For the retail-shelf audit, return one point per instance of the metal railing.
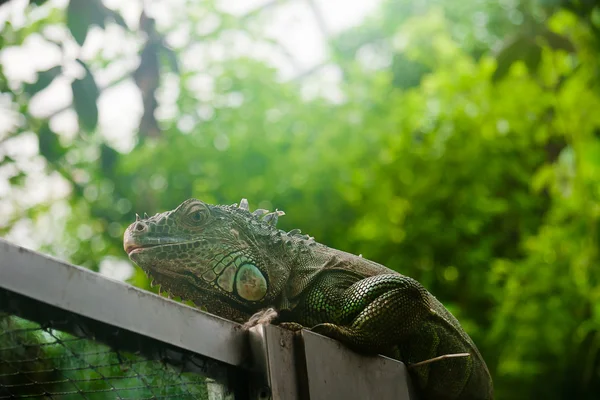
(69, 333)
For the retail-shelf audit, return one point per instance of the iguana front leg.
(375, 313)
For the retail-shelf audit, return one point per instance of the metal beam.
(273, 356)
(94, 296)
(306, 365)
(333, 371)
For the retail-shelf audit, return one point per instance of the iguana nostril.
(140, 227)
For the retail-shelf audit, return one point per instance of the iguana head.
(211, 254)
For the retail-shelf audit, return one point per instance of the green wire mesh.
(41, 362)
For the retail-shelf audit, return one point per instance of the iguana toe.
(263, 317)
(291, 326)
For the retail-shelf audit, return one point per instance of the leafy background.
(457, 143)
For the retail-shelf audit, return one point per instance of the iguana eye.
(195, 215)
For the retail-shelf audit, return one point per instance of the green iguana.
(237, 264)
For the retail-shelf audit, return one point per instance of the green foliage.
(85, 97)
(528, 48)
(472, 170)
(82, 14)
(49, 145)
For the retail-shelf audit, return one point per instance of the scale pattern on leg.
(375, 313)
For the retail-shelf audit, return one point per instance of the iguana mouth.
(131, 245)
(136, 248)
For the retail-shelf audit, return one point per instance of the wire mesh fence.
(41, 362)
(52, 354)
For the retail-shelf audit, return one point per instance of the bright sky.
(294, 24)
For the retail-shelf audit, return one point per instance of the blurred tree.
(464, 150)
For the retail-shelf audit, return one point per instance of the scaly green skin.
(235, 264)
